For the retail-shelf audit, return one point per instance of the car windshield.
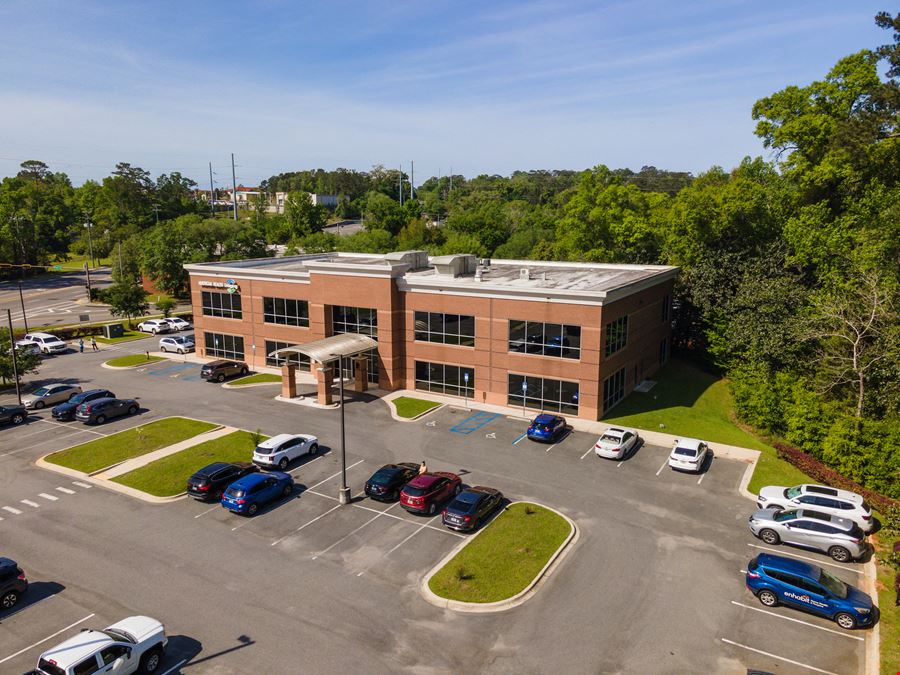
(835, 586)
(414, 491)
(865, 506)
(785, 515)
(459, 505)
(262, 450)
(606, 438)
(79, 398)
(119, 635)
(687, 452)
(234, 492)
(50, 668)
(41, 391)
(383, 476)
(790, 493)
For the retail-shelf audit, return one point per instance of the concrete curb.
(389, 400)
(519, 598)
(747, 477)
(873, 643)
(301, 400)
(225, 385)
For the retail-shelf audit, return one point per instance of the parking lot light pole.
(12, 351)
(22, 301)
(344, 494)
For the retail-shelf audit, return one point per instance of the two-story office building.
(567, 337)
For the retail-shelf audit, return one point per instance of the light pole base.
(344, 495)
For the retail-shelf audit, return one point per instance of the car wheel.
(38, 405)
(770, 537)
(840, 554)
(431, 509)
(775, 506)
(394, 496)
(314, 448)
(244, 371)
(181, 351)
(252, 509)
(845, 621)
(768, 598)
(133, 410)
(18, 418)
(9, 599)
(100, 419)
(220, 377)
(283, 464)
(457, 490)
(151, 661)
(287, 491)
(162, 349)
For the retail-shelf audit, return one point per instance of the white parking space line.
(781, 551)
(415, 532)
(620, 464)
(278, 541)
(49, 637)
(428, 525)
(48, 497)
(516, 442)
(664, 465)
(702, 476)
(66, 491)
(349, 534)
(334, 475)
(779, 658)
(30, 503)
(320, 494)
(805, 623)
(79, 431)
(11, 510)
(211, 508)
(42, 430)
(588, 452)
(310, 462)
(80, 484)
(175, 667)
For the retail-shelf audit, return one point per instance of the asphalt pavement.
(654, 584)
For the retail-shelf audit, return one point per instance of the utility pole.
(22, 300)
(451, 181)
(121, 274)
(400, 184)
(233, 188)
(87, 280)
(412, 179)
(344, 493)
(212, 197)
(12, 347)
(89, 225)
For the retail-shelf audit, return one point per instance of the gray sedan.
(840, 538)
(50, 395)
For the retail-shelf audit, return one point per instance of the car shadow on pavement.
(303, 460)
(185, 648)
(37, 591)
(43, 382)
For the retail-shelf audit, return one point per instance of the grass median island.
(127, 336)
(409, 407)
(504, 559)
(133, 360)
(167, 476)
(95, 455)
(258, 378)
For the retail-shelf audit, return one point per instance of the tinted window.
(383, 476)
(235, 492)
(110, 654)
(87, 666)
(828, 503)
(687, 452)
(50, 668)
(457, 505)
(822, 490)
(414, 491)
(835, 586)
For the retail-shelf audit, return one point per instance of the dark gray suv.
(13, 583)
(100, 410)
(217, 371)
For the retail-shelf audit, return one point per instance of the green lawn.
(688, 401)
(256, 379)
(127, 336)
(407, 406)
(104, 452)
(889, 622)
(167, 476)
(133, 360)
(503, 560)
(76, 263)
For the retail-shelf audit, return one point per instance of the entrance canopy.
(331, 348)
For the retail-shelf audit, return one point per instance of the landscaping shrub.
(818, 471)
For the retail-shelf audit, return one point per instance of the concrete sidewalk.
(143, 460)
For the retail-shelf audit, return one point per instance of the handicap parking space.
(185, 371)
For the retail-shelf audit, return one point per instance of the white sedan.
(616, 443)
(281, 450)
(689, 454)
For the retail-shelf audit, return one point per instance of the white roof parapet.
(331, 348)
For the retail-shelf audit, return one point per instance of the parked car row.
(167, 325)
(94, 406)
(818, 518)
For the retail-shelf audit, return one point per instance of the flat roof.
(414, 270)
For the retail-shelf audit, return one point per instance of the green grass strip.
(127, 336)
(168, 476)
(104, 452)
(256, 379)
(501, 561)
(133, 360)
(409, 407)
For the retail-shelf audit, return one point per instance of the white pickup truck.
(133, 645)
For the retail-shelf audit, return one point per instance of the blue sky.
(484, 87)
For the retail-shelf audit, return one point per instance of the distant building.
(276, 201)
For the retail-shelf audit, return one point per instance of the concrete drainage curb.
(139, 365)
(519, 598)
(389, 400)
(108, 484)
(226, 385)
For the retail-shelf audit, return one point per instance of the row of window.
(450, 329)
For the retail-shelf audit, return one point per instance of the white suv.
(154, 326)
(133, 645)
(47, 343)
(831, 500)
(178, 343)
(282, 449)
(177, 323)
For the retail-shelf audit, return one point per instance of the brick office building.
(568, 337)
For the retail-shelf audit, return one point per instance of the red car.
(425, 492)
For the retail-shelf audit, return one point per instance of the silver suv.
(840, 538)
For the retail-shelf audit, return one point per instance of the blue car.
(251, 492)
(547, 428)
(776, 580)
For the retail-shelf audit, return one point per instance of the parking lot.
(655, 584)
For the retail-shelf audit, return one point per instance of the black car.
(66, 411)
(217, 371)
(210, 482)
(13, 414)
(385, 484)
(100, 410)
(471, 508)
(12, 583)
